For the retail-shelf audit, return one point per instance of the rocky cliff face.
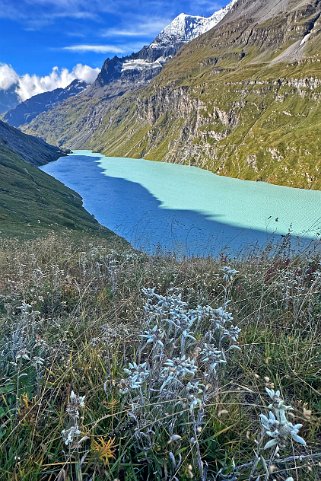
(242, 100)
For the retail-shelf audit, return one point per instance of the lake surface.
(161, 207)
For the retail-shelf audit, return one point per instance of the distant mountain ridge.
(146, 64)
(26, 111)
(9, 99)
(73, 122)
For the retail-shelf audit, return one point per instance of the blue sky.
(37, 35)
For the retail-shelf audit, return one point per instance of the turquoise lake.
(161, 207)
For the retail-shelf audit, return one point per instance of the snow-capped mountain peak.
(218, 16)
(143, 66)
(185, 28)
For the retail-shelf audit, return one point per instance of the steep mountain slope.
(242, 100)
(33, 150)
(9, 99)
(26, 111)
(31, 201)
(141, 67)
(73, 122)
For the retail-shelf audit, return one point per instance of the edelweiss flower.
(276, 425)
(212, 357)
(229, 273)
(181, 367)
(154, 336)
(70, 434)
(77, 400)
(137, 374)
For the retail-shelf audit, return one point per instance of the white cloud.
(94, 48)
(39, 13)
(143, 28)
(29, 85)
(85, 73)
(8, 77)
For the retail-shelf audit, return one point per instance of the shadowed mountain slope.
(31, 149)
(26, 111)
(32, 202)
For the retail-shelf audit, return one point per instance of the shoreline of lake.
(195, 211)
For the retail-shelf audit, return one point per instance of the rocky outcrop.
(143, 66)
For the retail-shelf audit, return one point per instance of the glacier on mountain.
(182, 29)
(185, 28)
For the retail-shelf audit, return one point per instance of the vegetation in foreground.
(115, 365)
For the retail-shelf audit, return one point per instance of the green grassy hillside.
(32, 202)
(244, 123)
(31, 149)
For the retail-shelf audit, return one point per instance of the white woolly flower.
(229, 273)
(70, 434)
(194, 390)
(212, 357)
(221, 317)
(276, 425)
(232, 333)
(137, 374)
(180, 367)
(154, 336)
(77, 400)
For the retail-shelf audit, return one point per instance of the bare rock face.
(239, 100)
(266, 25)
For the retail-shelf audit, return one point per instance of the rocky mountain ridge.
(26, 111)
(9, 99)
(144, 65)
(117, 77)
